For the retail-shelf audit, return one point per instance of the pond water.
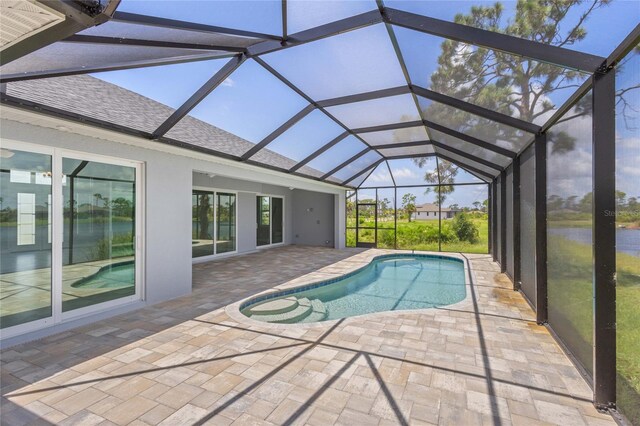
(627, 240)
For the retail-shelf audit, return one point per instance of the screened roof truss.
(240, 46)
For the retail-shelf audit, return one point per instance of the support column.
(604, 241)
(490, 217)
(494, 219)
(540, 147)
(516, 223)
(503, 221)
(340, 220)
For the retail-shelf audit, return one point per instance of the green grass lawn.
(421, 235)
(570, 300)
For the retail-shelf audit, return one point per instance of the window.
(213, 220)
(269, 219)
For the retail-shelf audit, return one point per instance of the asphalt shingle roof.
(89, 96)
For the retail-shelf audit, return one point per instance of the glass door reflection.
(277, 216)
(202, 224)
(98, 250)
(264, 221)
(225, 222)
(270, 220)
(25, 237)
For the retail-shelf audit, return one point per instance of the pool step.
(275, 307)
(302, 310)
(319, 311)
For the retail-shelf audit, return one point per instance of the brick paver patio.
(483, 361)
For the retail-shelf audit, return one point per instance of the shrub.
(465, 229)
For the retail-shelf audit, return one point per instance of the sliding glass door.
(213, 229)
(225, 222)
(98, 250)
(277, 214)
(202, 224)
(270, 220)
(264, 221)
(25, 237)
(69, 227)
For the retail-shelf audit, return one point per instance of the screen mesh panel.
(63, 56)
(528, 225)
(152, 33)
(569, 231)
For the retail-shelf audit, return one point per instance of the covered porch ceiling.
(327, 90)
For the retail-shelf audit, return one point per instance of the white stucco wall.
(168, 183)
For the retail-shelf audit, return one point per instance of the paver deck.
(186, 361)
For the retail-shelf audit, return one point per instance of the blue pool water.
(389, 283)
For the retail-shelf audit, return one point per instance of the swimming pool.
(389, 283)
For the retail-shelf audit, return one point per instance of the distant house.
(430, 211)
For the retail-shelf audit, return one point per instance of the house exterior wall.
(168, 181)
(313, 218)
(432, 215)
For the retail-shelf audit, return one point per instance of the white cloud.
(228, 82)
(404, 172)
(379, 176)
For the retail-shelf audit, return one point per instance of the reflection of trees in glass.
(502, 82)
(122, 207)
(203, 216)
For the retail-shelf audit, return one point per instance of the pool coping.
(355, 263)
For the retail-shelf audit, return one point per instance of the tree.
(465, 229)
(586, 203)
(555, 202)
(409, 204)
(383, 204)
(621, 198)
(444, 175)
(507, 83)
(570, 203)
(477, 205)
(623, 105)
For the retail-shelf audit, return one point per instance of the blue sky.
(252, 103)
(266, 16)
(406, 172)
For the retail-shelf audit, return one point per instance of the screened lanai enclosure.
(507, 128)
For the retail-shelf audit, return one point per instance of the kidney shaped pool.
(389, 283)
